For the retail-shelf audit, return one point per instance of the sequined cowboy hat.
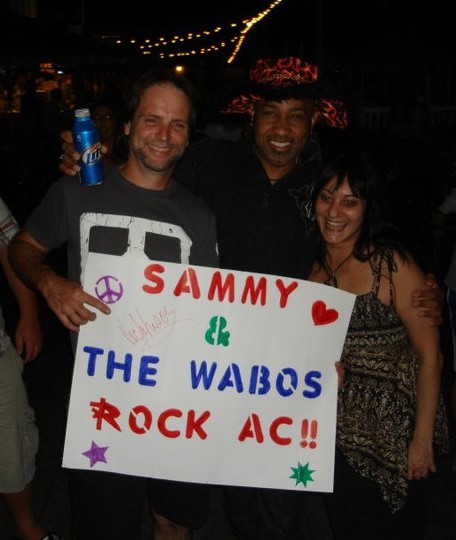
(288, 78)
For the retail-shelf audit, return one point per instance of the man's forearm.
(30, 264)
(25, 297)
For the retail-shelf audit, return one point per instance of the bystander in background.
(18, 432)
(446, 209)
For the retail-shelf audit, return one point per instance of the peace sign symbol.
(109, 289)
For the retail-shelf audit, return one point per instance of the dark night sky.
(137, 14)
(366, 16)
(346, 27)
(365, 29)
(185, 15)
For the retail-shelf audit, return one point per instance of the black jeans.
(264, 514)
(106, 505)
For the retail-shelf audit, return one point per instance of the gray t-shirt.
(171, 225)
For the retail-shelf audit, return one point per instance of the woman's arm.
(425, 340)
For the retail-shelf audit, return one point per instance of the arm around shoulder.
(408, 279)
(428, 300)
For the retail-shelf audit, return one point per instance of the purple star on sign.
(96, 453)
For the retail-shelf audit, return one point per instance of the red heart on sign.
(321, 315)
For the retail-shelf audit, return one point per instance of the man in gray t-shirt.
(139, 206)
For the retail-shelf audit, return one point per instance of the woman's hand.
(420, 460)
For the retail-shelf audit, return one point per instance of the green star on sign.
(302, 474)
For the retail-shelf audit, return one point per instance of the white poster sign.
(207, 375)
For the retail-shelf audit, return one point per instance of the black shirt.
(261, 226)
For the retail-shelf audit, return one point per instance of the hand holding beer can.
(87, 143)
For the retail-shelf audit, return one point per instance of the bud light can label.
(87, 143)
(91, 155)
(91, 164)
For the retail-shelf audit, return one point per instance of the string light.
(162, 45)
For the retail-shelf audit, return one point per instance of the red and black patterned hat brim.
(284, 79)
(330, 112)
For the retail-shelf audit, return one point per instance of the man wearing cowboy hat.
(259, 189)
(260, 186)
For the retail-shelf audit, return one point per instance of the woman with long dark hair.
(390, 417)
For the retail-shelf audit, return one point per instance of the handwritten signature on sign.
(137, 327)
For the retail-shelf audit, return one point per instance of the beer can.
(87, 143)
